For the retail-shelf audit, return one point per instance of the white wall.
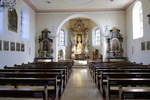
(134, 46)
(53, 20)
(13, 57)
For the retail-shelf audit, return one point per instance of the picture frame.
(6, 45)
(13, 20)
(148, 45)
(17, 46)
(143, 46)
(12, 46)
(0, 45)
(22, 47)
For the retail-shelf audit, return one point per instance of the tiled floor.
(81, 87)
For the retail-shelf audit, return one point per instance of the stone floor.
(79, 87)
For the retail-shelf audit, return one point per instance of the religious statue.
(79, 45)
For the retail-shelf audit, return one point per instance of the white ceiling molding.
(78, 5)
(78, 2)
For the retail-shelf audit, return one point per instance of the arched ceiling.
(78, 5)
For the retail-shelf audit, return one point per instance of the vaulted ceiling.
(78, 5)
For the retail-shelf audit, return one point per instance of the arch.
(66, 20)
(72, 17)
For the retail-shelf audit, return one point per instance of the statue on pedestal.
(79, 46)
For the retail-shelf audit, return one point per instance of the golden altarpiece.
(79, 41)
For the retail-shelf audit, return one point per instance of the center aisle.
(81, 86)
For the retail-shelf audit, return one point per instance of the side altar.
(115, 47)
(45, 50)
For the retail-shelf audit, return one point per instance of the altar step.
(80, 62)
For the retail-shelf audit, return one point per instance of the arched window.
(25, 23)
(1, 21)
(137, 20)
(62, 37)
(96, 37)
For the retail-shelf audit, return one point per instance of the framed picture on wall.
(142, 46)
(22, 47)
(17, 46)
(6, 45)
(0, 45)
(12, 20)
(12, 46)
(148, 45)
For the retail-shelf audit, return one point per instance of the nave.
(81, 86)
(67, 81)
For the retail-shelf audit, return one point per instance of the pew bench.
(67, 71)
(60, 81)
(127, 85)
(105, 72)
(44, 86)
(138, 92)
(103, 79)
(63, 72)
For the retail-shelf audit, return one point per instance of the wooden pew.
(115, 65)
(63, 72)
(51, 64)
(140, 93)
(100, 71)
(103, 80)
(44, 82)
(41, 68)
(123, 84)
(37, 75)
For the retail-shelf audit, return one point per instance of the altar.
(80, 57)
(79, 41)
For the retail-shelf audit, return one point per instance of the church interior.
(74, 49)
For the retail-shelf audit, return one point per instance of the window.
(62, 38)
(96, 37)
(137, 20)
(25, 19)
(1, 21)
